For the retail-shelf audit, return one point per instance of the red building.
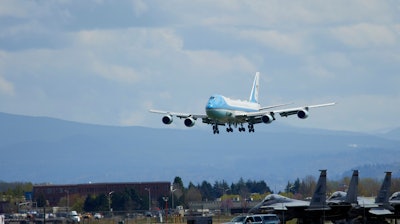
(53, 193)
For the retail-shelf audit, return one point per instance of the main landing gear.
(251, 128)
(215, 129)
(241, 128)
(230, 129)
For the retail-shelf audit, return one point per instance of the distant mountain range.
(40, 149)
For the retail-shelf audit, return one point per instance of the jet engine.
(267, 118)
(189, 122)
(302, 114)
(167, 119)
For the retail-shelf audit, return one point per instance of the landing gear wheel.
(251, 128)
(215, 129)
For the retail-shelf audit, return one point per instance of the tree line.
(129, 199)
(366, 187)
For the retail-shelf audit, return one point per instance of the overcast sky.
(108, 62)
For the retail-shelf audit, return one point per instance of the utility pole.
(148, 189)
(67, 191)
(166, 209)
(109, 201)
(172, 196)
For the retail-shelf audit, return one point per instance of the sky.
(109, 62)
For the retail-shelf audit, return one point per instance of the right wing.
(178, 114)
(189, 118)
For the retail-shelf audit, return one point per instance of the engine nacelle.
(189, 122)
(267, 118)
(302, 114)
(167, 119)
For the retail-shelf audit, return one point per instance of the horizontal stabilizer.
(324, 208)
(380, 211)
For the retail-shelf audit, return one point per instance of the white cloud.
(364, 112)
(6, 87)
(118, 73)
(139, 7)
(288, 43)
(15, 8)
(366, 35)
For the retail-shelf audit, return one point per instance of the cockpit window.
(270, 197)
(395, 196)
(336, 195)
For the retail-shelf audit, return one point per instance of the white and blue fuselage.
(226, 110)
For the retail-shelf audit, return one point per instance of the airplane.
(370, 209)
(344, 202)
(346, 198)
(395, 198)
(288, 208)
(221, 111)
(394, 201)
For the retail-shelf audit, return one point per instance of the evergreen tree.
(179, 190)
(206, 191)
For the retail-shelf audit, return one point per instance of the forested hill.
(39, 149)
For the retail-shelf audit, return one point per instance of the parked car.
(98, 216)
(74, 217)
(87, 216)
(270, 219)
(255, 219)
(237, 220)
(246, 219)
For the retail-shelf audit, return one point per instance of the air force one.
(221, 111)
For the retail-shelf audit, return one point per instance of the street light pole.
(166, 209)
(67, 191)
(224, 190)
(172, 196)
(148, 189)
(109, 201)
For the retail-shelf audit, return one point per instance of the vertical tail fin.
(318, 200)
(254, 91)
(352, 192)
(384, 192)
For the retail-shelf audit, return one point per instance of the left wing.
(302, 112)
(267, 116)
